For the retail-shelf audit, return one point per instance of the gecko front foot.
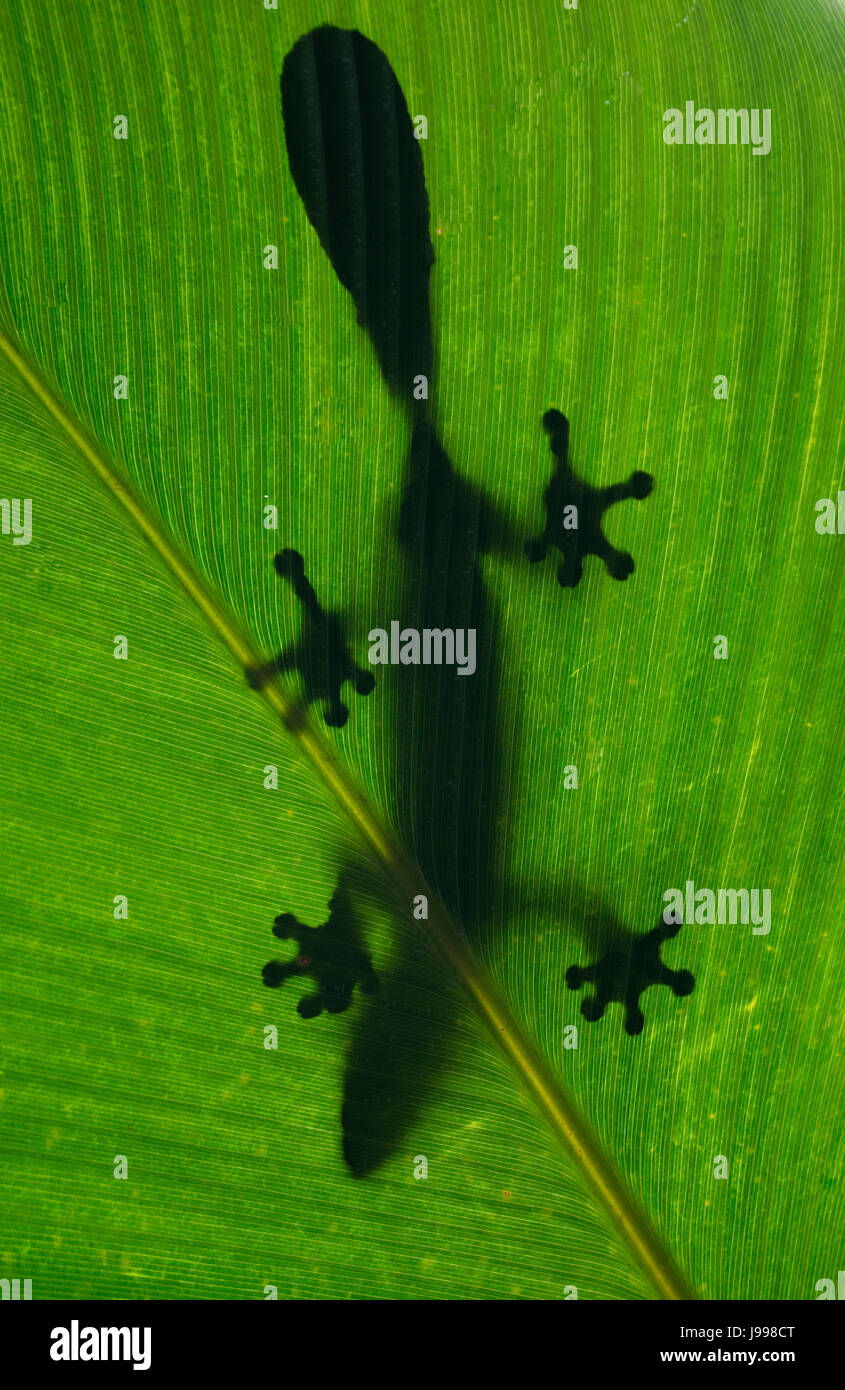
(330, 954)
(321, 656)
(621, 976)
(574, 512)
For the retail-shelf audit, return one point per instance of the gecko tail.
(358, 169)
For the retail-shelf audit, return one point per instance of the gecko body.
(358, 170)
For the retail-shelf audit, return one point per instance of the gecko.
(358, 169)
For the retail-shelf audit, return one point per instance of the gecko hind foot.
(321, 656)
(621, 975)
(574, 512)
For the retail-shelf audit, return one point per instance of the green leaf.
(144, 1037)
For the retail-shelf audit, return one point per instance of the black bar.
(226, 1340)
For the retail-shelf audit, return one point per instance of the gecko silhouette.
(623, 972)
(321, 656)
(358, 170)
(331, 954)
(574, 511)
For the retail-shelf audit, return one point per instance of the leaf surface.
(145, 777)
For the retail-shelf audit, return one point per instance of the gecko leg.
(321, 655)
(258, 676)
(621, 976)
(329, 954)
(574, 512)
